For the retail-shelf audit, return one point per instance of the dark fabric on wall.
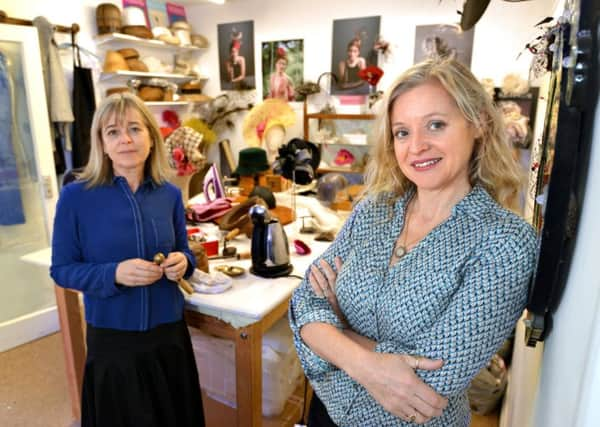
(84, 105)
(60, 164)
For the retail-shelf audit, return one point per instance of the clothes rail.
(5, 19)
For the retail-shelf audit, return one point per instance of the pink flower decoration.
(178, 155)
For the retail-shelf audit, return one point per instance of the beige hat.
(114, 61)
(140, 31)
(129, 53)
(199, 41)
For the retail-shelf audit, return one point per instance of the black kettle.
(269, 249)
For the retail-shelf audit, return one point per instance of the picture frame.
(236, 55)
(352, 50)
(282, 69)
(443, 40)
(515, 108)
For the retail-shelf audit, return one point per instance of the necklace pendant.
(400, 251)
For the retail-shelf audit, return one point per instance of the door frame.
(39, 322)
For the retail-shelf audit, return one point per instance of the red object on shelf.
(192, 230)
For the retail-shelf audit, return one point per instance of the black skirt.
(141, 379)
(317, 414)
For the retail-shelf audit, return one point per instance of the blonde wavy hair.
(99, 170)
(493, 165)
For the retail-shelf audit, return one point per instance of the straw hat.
(257, 120)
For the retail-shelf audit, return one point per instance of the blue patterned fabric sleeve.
(483, 312)
(306, 307)
(68, 268)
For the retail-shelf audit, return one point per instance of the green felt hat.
(252, 161)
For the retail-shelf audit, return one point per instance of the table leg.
(248, 361)
(70, 318)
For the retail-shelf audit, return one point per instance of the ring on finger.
(412, 418)
(416, 362)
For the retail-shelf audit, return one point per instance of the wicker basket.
(108, 18)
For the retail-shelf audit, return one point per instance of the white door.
(28, 190)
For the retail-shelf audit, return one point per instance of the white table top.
(251, 297)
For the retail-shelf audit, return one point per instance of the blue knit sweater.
(95, 229)
(456, 296)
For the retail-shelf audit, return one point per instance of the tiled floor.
(33, 388)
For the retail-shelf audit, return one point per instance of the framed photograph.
(352, 51)
(157, 13)
(175, 12)
(236, 55)
(282, 69)
(443, 41)
(519, 115)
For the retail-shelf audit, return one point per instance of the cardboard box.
(281, 370)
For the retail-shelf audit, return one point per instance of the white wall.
(500, 35)
(312, 20)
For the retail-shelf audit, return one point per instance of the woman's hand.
(392, 381)
(323, 284)
(137, 272)
(389, 378)
(175, 265)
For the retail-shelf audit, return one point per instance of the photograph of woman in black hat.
(352, 51)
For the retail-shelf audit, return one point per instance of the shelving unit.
(116, 41)
(123, 76)
(321, 116)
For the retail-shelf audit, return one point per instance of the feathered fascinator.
(297, 161)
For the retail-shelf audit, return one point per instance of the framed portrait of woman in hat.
(236, 55)
(282, 69)
(443, 41)
(353, 50)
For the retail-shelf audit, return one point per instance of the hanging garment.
(84, 105)
(57, 95)
(11, 205)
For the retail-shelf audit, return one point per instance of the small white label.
(47, 183)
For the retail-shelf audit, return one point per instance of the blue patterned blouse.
(456, 296)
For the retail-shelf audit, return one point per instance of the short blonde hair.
(492, 165)
(98, 170)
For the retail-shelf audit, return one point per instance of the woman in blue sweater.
(140, 368)
(430, 272)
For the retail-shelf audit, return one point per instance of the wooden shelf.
(167, 103)
(118, 40)
(340, 116)
(123, 76)
(335, 169)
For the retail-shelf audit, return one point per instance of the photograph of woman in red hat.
(236, 55)
(283, 68)
(352, 51)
